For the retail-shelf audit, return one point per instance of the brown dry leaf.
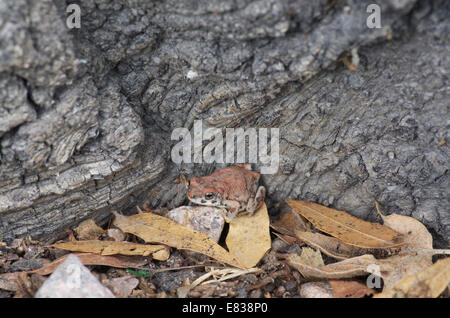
(17, 282)
(88, 230)
(288, 223)
(310, 257)
(347, 228)
(286, 238)
(397, 267)
(153, 228)
(349, 289)
(330, 246)
(110, 247)
(430, 282)
(348, 268)
(416, 234)
(118, 261)
(392, 269)
(249, 238)
(12, 281)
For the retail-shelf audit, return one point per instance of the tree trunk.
(87, 114)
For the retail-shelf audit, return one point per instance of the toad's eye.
(209, 196)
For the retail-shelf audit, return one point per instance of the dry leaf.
(153, 228)
(288, 223)
(349, 289)
(430, 282)
(397, 267)
(348, 268)
(88, 230)
(391, 270)
(12, 281)
(310, 257)
(249, 238)
(286, 238)
(416, 234)
(116, 234)
(110, 247)
(162, 255)
(330, 246)
(347, 228)
(118, 261)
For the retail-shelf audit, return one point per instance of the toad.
(234, 189)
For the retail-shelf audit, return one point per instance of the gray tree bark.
(86, 115)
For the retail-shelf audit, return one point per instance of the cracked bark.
(86, 114)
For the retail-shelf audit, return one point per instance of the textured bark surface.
(86, 114)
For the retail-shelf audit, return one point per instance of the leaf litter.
(401, 248)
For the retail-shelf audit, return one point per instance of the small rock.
(278, 245)
(201, 218)
(121, 286)
(316, 290)
(88, 230)
(26, 264)
(280, 291)
(290, 285)
(256, 293)
(391, 155)
(269, 288)
(190, 75)
(72, 280)
(116, 234)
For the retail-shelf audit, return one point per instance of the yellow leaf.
(346, 227)
(249, 238)
(153, 228)
(430, 282)
(110, 247)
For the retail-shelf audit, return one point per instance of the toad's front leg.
(256, 202)
(233, 208)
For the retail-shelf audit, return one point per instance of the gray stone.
(204, 219)
(72, 280)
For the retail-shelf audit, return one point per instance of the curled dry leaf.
(397, 267)
(430, 282)
(330, 246)
(392, 269)
(110, 247)
(288, 223)
(416, 234)
(348, 268)
(347, 228)
(249, 238)
(153, 228)
(349, 289)
(310, 257)
(118, 261)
